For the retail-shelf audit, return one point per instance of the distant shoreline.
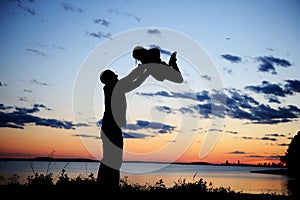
(51, 159)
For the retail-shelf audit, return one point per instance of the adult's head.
(108, 77)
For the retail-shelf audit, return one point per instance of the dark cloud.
(228, 71)
(277, 157)
(2, 84)
(19, 117)
(153, 32)
(232, 132)
(163, 51)
(3, 107)
(274, 100)
(70, 7)
(255, 156)
(154, 126)
(293, 85)
(199, 96)
(233, 103)
(236, 152)
(27, 90)
(275, 135)
(132, 15)
(126, 14)
(165, 109)
(270, 88)
(103, 22)
(99, 34)
(268, 63)
(135, 135)
(27, 9)
(232, 58)
(272, 91)
(39, 83)
(131, 130)
(37, 52)
(247, 138)
(54, 46)
(208, 78)
(86, 136)
(283, 144)
(268, 138)
(25, 99)
(25, 6)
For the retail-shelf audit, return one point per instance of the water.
(237, 178)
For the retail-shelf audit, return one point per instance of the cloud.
(231, 102)
(268, 63)
(272, 91)
(264, 157)
(153, 32)
(228, 71)
(27, 9)
(2, 84)
(283, 144)
(157, 127)
(70, 7)
(129, 135)
(268, 138)
(163, 51)
(25, 99)
(86, 136)
(292, 85)
(275, 135)
(153, 128)
(236, 152)
(126, 14)
(269, 88)
(37, 52)
(133, 15)
(208, 78)
(39, 83)
(232, 58)
(199, 96)
(27, 90)
(165, 109)
(232, 132)
(274, 100)
(103, 22)
(54, 46)
(99, 34)
(19, 117)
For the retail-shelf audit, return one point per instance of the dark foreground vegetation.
(43, 186)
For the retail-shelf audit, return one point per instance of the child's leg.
(172, 61)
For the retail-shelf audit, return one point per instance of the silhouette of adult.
(113, 120)
(114, 117)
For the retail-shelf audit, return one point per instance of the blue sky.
(252, 44)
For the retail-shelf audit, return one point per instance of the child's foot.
(172, 61)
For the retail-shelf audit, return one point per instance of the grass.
(44, 185)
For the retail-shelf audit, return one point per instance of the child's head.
(139, 53)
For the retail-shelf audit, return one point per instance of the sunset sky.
(239, 59)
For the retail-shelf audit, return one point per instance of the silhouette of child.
(152, 55)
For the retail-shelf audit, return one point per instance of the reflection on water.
(237, 178)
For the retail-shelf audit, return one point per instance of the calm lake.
(238, 178)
